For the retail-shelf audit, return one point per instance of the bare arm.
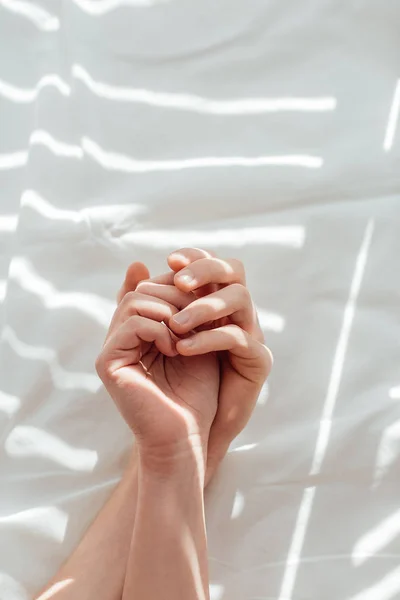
(166, 552)
(96, 569)
(168, 556)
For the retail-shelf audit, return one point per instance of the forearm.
(96, 569)
(168, 555)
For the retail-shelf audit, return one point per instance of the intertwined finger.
(136, 303)
(210, 270)
(168, 293)
(125, 346)
(248, 356)
(186, 256)
(164, 278)
(135, 273)
(233, 301)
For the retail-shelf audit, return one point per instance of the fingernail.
(187, 342)
(181, 318)
(186, 276)
(177, 255)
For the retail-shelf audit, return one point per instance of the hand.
(169, 401)
(229, 315)
(226, 304)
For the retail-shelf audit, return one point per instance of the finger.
(165, 278)
(233, 301)
(136, 303)
(184, 256)
(248, 357)
(210, 270)
(168, 293)
(138, 272)
(135, 273)
(125, 346)
(222, 272)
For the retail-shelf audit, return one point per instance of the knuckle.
(133, 321)
(129, 297)
(234, 329)
(238, 267)
(241, 291)
(142, 287)
(99, 364)
(236, 263)
(104, 367)
(131, 303)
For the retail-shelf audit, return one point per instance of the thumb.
(135, 273)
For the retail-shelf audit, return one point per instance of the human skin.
(185, 404)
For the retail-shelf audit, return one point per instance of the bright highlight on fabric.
(42, 19)
(199, 104)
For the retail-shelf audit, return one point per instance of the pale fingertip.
(176, 255)
(180, 318)
(136, 272)
(187, 342)
(185, 345)
(177, 261)
(185, 280)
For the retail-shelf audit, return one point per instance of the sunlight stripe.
(33, 12)
(21, 95)
(188, 102)
(392, 119)
(127, 164)
(304, 514)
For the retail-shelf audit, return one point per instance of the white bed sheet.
(261, 129)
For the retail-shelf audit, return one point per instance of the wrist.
(185, 461)
(174, 489)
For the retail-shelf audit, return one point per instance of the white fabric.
(265, 130)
